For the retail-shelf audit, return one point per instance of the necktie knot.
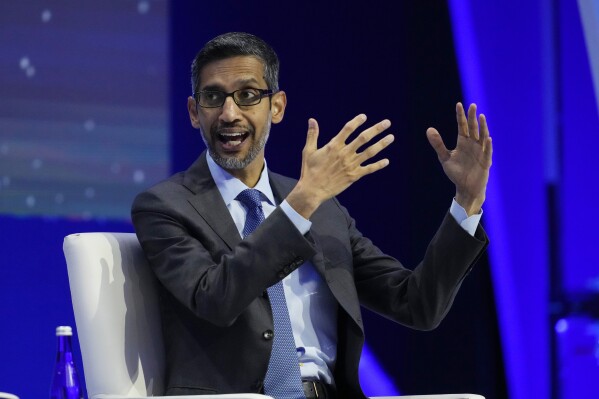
(251, 198)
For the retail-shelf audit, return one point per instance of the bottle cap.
(64, 331)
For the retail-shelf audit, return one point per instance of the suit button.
(268, 335)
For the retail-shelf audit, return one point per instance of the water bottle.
(65, 384)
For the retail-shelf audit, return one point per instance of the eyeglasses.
(242, 97)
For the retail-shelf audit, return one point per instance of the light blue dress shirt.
(312, 307)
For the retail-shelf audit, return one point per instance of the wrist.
(471, 204)
(303, 201)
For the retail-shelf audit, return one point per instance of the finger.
(311, 136)
(375, 148)
(368, 135)
(472, 122)
(350, 127)
(461, 118)
(488, 152)
(434, 138)
(373, 167)
(484, 129)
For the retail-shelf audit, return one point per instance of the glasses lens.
(211, 98)
(247, 96)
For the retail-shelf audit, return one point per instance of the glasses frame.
(263, 93)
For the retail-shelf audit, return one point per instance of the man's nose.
(230, 111)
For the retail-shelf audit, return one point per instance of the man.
(221, 256)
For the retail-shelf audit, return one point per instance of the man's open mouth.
(232, 139)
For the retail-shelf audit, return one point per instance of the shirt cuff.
(302, 224)
(468, 223)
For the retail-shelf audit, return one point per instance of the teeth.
(232, 139)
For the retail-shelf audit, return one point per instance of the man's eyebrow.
(212, 88)
(243, 82)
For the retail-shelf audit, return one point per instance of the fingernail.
(386, 123)
(362, 116)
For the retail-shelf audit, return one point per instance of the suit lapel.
(208, 202)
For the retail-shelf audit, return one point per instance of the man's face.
(236, 135)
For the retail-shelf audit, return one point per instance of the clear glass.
(65, 384)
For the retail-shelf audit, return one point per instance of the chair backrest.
(116, 311)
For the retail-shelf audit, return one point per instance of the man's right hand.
(328, 171)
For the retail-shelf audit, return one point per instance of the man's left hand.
(467, 166)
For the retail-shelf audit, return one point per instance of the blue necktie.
(283, 379)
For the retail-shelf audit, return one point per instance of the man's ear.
(193, 112)
(277, 107)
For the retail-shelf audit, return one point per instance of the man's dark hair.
(235, 44)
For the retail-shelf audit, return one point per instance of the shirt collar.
(230, 186)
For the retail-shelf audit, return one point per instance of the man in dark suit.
(218, 258)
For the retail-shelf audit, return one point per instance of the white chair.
(118, 323)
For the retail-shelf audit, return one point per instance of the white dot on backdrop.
(30, 201)
(90, 192)
(59, 198)
(143, 7)
(139, 176)
(46, 15)
(89, 125)
(30, 71)
(561, 326)
(36, 163)
(24, 62)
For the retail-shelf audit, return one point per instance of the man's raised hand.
(467, 166)
(329, 170)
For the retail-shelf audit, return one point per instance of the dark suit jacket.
(215, 310)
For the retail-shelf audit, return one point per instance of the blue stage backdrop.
(83, 106)
(533, 67)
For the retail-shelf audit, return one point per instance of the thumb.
(435, 140)
(311, 136)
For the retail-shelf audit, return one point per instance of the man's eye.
(212, 96)
(248, 94)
